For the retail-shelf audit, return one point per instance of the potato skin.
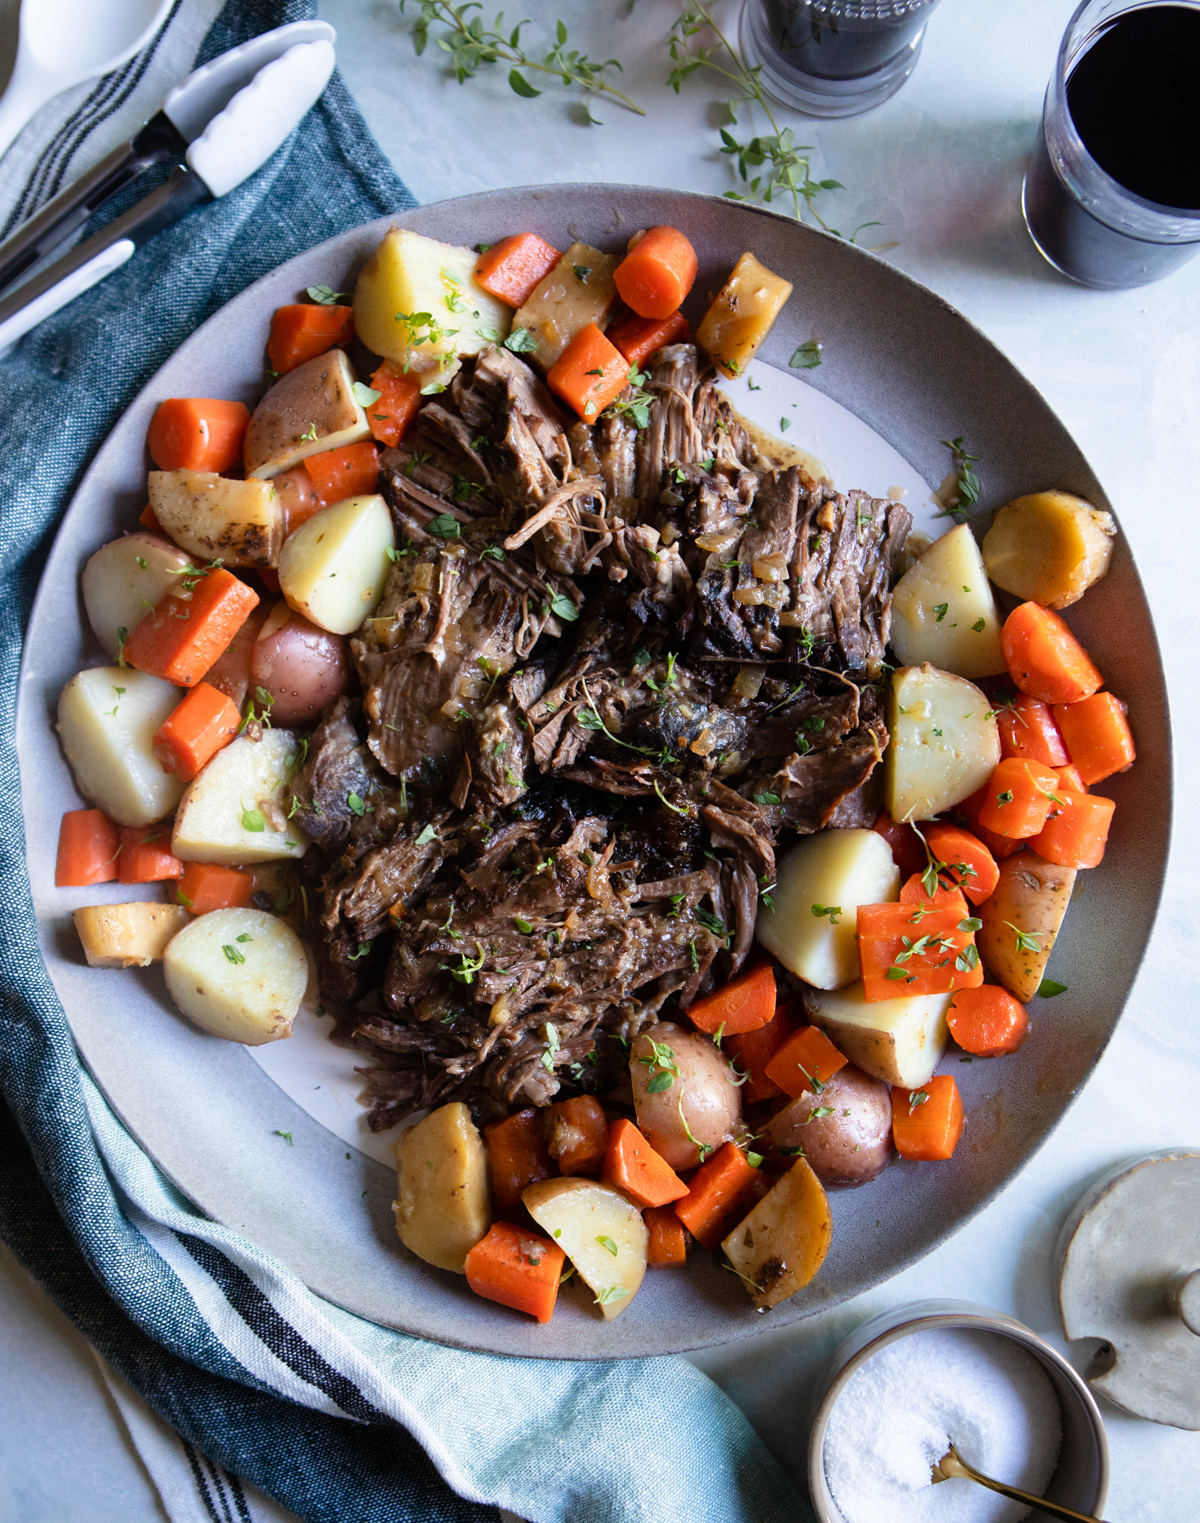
(849, 1147)
(304, 668)
(1049, 547)
(1032, 896)
(310, 409)
(705, 1091)
(443, 1207)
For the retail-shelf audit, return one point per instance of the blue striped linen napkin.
(335, 1418)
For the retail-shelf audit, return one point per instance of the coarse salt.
(901, 1411)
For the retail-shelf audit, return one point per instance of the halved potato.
(107, 717)
(409, 276)
(779, 1247)
(945, 742)
(600, 1230)
(820, 884)
(239, 974)
(212, 517)
(333, 568)
(234, 813)
(310, 409)
(579, 290)
(125, 578)
(127, 935)
(900, 1041)
(943, 610)
(444, 1207)
(1021, 921)
(1049, 547)
(742, 315)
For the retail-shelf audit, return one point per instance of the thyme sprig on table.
(785, 163)
(471, 44)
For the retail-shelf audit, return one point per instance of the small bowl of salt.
(911, 1381)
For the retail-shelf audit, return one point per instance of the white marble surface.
(940, 165)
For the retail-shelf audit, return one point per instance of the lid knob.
(1185, 1295)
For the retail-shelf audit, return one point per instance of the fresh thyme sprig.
(786, 165)
(471, 44)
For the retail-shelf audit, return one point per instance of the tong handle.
(91, 260)
(158, 141)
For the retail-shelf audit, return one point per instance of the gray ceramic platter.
(916, 372)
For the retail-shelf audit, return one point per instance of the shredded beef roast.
(613, 663)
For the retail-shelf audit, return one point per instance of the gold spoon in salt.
(952, 1466)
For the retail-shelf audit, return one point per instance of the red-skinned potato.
(302, 667)
(853, 1142)
(703, 1097)
(298, 497)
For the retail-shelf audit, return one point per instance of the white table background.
(940, 165)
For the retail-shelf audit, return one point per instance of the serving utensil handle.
(1015, 1494)
(156, 142)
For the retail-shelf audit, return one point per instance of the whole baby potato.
(682, 1085)
(302, 667)
(845, 1131)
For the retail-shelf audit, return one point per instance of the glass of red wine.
(833, 57)
(1112, 192)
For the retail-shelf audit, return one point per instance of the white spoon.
(64, 42)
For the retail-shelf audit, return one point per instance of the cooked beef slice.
(848, 554)
(337, 767)
(450, 622)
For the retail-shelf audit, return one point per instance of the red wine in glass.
(1112, 195)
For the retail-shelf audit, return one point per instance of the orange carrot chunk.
(303, 331)
(512, 269)
(578, 1135)
(197, 434)
(148, 519)
(968, 861)
(1027, 728)
(946, 897)
(806, 1061)
(88, 844)
(517, 1156)
(902, 951)
(351, 471)
(743, 1004)
(589, 374)
(195, 731)
(1044, 658)
(987, 1021)
(1076, 832)
(639, 337)
(399, 401)
(753, 1050)
(721, 1193)
(146, 855)
(204, 886)
(999, 846)
(907, 852)
(633, 1166)
(1018, 799)
(184, 634)
(927, 1123)
(1098, 736)
(516, 1268)
(657, 272)
(1069, 780)
(667, 1246)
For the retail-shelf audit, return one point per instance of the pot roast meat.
(848, 556)
(602, 654)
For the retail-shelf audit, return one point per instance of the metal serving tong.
(220, 124)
